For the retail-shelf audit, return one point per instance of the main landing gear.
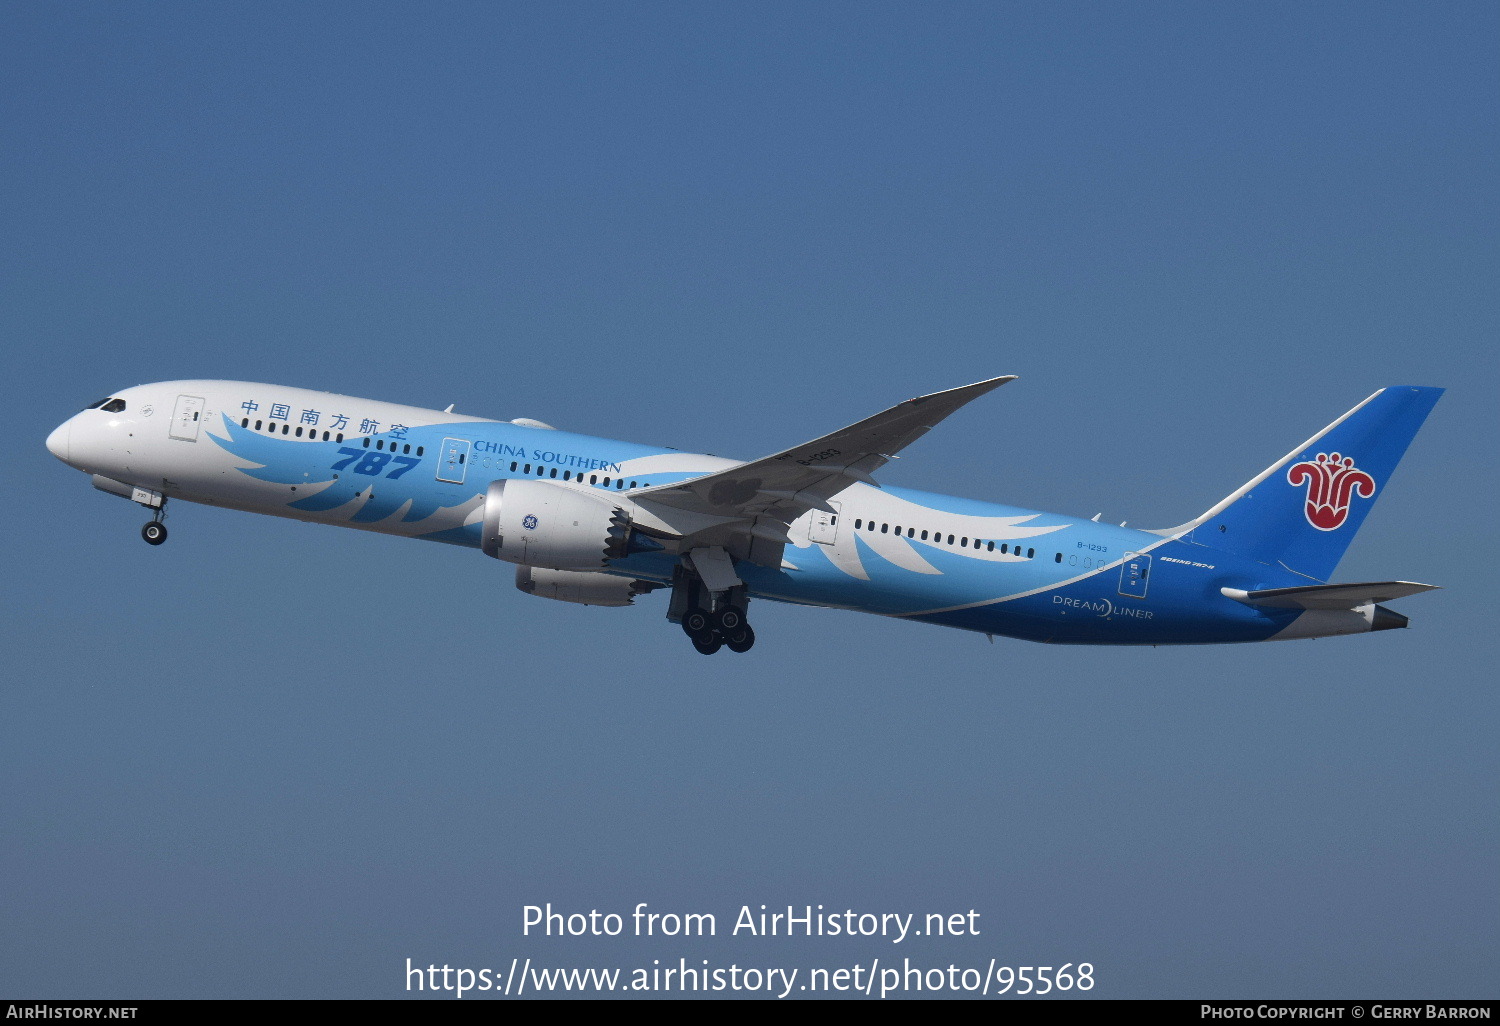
(710, 632)
(155, 532)
(711, 620)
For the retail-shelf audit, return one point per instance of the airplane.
(601, 522)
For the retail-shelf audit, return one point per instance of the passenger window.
(419, 452)
(1059, 558)
(299, 432)
(991, 547)
(339, 437)
(245, 422)
(924, 535)
(554, 472)
(858, 523)
(1030, 553)
(367, 441)
(593, 479)
(950, 539)
(286, 429)
(885, 528)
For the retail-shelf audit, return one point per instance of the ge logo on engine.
(529, 523)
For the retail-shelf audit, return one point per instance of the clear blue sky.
(275, 760)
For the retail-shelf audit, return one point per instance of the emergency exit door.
(825, 526)
(453, 460)
(186, 418)
(1135, 574)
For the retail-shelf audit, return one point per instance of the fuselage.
(419, 473)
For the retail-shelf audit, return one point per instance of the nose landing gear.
(155, 532)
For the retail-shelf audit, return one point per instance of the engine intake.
(538, 523)
(585, 587)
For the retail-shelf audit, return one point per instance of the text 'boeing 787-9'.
(600, 522)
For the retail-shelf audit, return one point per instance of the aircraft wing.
(1328, 596)
(782, 487)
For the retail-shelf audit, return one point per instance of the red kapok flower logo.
(1332, 480)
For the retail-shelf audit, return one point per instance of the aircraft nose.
(59, 441)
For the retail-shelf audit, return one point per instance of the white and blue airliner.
(600, 522)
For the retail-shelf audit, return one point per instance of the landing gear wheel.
(155, 532)
(729, 620)
(696, 621)
(741, 640)
(708, 643)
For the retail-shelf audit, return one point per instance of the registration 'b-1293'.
(602, 522)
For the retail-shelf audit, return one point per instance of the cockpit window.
(114, 406)
(97, 403)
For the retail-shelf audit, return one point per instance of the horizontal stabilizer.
(1328, 596)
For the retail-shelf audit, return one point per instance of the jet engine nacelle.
(547, 525)
(586, 587)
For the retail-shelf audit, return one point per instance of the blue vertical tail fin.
(1302, 511)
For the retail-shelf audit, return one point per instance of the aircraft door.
(1135, 574)
(187, 418)
(824, 528)
(453, 460)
